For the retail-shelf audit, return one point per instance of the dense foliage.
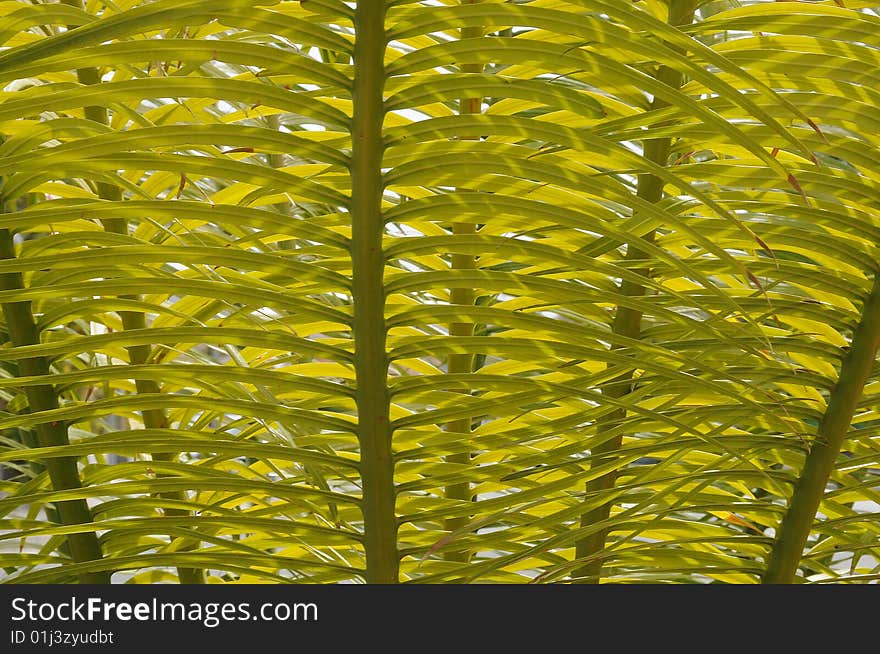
(533, 290)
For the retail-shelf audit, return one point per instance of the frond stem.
(627, 323)
(462, 296)
(855, 371)
(63, 471)
(368, 296)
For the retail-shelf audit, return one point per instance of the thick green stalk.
(368, 296)
(855, 372)
(140, 355)
(627, 323)
(137, 354)
(63, 471)
(459, 296)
